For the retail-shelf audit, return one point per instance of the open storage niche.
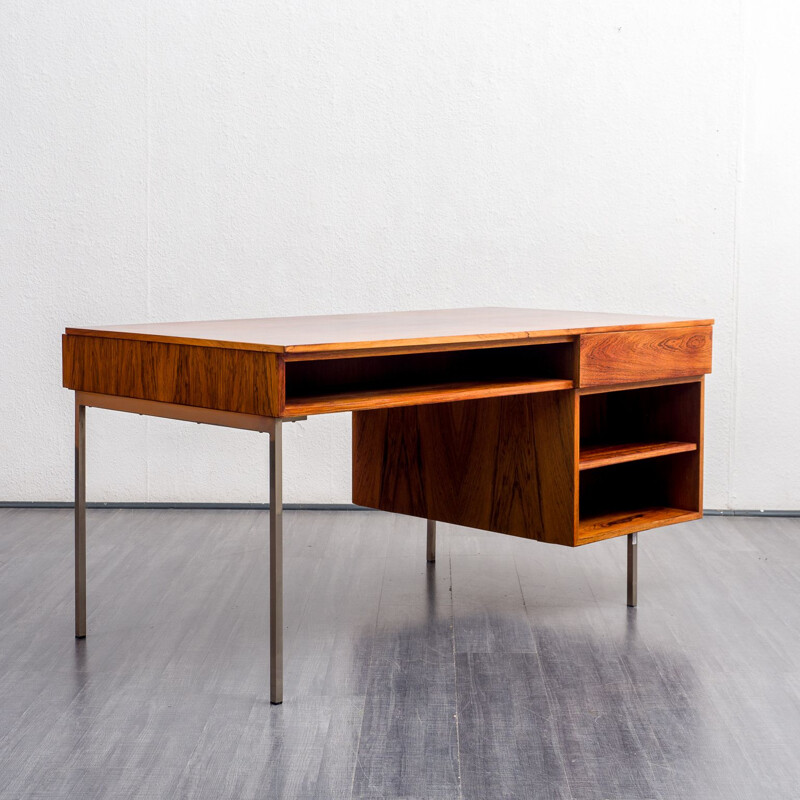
(638, 495)
(350, 383)
(634, 424)
(640, 459)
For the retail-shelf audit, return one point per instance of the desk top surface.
(384, 329)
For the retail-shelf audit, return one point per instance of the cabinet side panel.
(499, 464)
(701, 446)
(228, 380)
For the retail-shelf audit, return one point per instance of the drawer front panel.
(650, 355)
(209, 377)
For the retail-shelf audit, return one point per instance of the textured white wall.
(766, 442)
(199, 159)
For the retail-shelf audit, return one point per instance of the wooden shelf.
(648, 443)
(620, 522)
(592, 457)
(417, 395)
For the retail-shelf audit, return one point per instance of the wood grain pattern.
(227, 380)
(619, 523)
(629, 356)
(443, 454)
(502, 464)
(416, 395)
(593, 457)
(349, 332)
(504, 754)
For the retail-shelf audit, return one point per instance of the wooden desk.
(566, 427)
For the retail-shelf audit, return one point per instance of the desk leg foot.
(632, 569)
(80, 520)
(276, 564)
(431, 541)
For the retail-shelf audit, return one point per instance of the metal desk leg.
(276, 564)
(431, 541)
(632, 569)
(80, 520)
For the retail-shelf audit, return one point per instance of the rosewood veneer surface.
(506, 419)
(402, 328)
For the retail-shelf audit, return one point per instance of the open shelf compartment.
(634, 424)
(634, 496)
(640, 459)
(353, 383)
(618, 523)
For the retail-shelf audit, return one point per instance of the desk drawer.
(649, 355)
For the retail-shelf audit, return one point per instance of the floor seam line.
(544, 679)
(366, 688)
(455, 676)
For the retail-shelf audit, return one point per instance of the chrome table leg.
(80, 520)
(276, 564)
(632, 569)
(431, 541)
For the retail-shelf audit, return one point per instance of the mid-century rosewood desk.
(566, 427)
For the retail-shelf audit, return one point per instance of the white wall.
(766, 442)
(198, 159)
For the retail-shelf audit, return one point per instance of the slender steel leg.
(431, 541)
(276, 564)
(80, 521)
(632, 569)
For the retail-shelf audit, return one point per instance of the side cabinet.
(621, 451)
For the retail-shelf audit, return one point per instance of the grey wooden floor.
(511, 669)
